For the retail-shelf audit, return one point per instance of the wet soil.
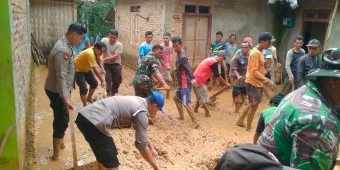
(179, 146)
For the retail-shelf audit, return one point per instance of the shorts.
(81, 79)
(201, 94)
(102, 146)
(184, 96)
(237, 90)
(166, 74)
(254, 94)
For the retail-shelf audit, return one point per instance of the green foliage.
(92, 14)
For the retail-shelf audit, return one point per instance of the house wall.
(243, 18)
(15, 67)
(132, 26)
(290, 33)
(167, 15)
(49, 21)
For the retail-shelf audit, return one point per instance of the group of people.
(300, 131)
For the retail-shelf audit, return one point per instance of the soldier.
(304, 130)
(147, 69)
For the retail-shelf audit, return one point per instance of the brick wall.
(132, 26)
(21, 60)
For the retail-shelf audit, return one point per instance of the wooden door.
(195, 38)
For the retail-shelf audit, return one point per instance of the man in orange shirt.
(255, 79)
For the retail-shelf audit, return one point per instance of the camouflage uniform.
(304, 131)
(142, 82)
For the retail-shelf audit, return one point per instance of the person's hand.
(166, 86)
(291, 80)
(227, 85)
(239, 77)
(68, 104)
(66, 55)
(271, 85)
(193, 82)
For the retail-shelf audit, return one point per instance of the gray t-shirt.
(116, 48)
(119, 111)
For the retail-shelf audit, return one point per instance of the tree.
(92, 15)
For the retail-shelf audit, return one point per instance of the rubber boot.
(192, 116)
(240, 121)
(180, 109)
(206, 109)
(56, 148)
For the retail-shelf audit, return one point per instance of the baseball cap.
(314, 43)
(248, 40)
(330, 64)
(158, 98)
(249, 157)
(221, 53)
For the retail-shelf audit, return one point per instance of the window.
(204, 10)
(134, 8)
(196, 9)
(190, 9)
(316, 16)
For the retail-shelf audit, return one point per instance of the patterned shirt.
(304, 131)
(215, 47)
(146, 68)
(239, 64)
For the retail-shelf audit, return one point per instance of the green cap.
(330, 66)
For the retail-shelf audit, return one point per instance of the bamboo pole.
(330, 25)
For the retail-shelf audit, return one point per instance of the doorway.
(315, 25)
(196, 33)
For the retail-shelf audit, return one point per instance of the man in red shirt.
(202, 73)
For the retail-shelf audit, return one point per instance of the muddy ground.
(180, 147)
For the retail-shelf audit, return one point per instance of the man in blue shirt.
(145, 47)
(85, 43)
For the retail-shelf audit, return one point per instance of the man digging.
(94, 121)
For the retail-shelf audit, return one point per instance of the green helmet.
(330, 64)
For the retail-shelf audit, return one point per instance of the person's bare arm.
(147, 154)
(114, 56)
(159, 77)
(97, 72)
